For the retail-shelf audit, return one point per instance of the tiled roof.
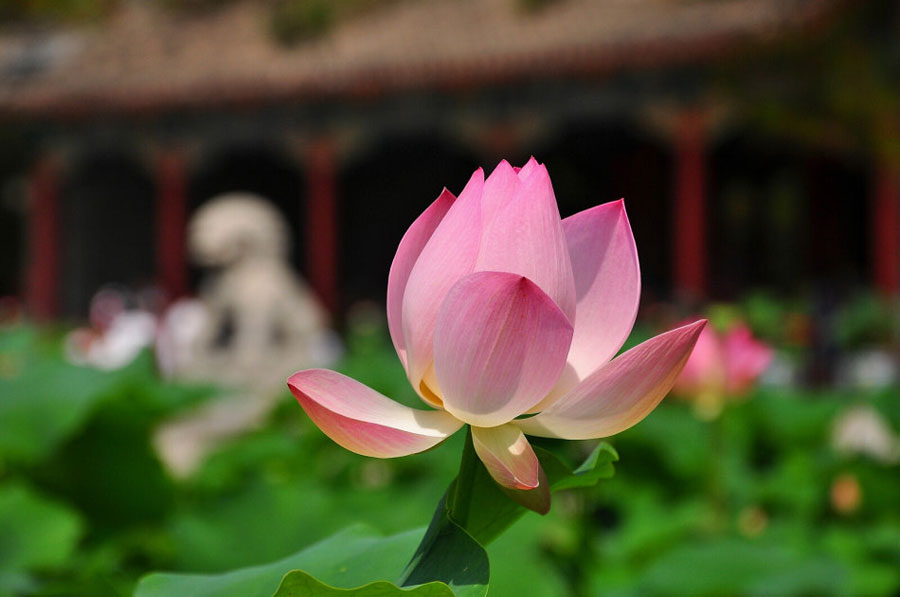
(145, 58)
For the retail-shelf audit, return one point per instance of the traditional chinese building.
(121, 129)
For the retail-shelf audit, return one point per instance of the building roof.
(144, 58)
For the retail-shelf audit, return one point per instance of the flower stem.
(460, 502)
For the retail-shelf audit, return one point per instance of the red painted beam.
(321, 222)
(885, 227)
(171, 224)
(43, 240)
(690, 251)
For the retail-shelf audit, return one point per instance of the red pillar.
(885, 227)
(321, 222)
(690, 251)
(171, 224)
(43, 240)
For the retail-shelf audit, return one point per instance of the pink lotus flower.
(722, 367)
(497, 308)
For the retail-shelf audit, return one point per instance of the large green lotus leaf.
(43, 401)
(810, 575)
(519, 565)
(13, 584)
(262, 515)
(301, 584)
(108, 469)
(266, 474)
(350, 558)
(449, 554)
(734, 567)
(34, 532)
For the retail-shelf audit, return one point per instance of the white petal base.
(364, 421)
(507, 455)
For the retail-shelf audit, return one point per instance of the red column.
(690, 251)
(43, 240)
(885, 229)
(171, 224)
(321, 222)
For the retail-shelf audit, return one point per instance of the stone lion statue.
(254, 323)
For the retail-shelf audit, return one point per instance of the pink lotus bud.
(722, 367)
(498, 308)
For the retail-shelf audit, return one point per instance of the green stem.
(453, 510)
(460, 502)
(717, 489)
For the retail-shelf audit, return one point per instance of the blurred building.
(754, 140)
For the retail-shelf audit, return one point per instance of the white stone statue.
(255, 323)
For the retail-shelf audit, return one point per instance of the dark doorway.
(262, 169)
(16, 153)
(382, 193)
(784, 218)
(107, 222)
(839, 189)
(596, 162)
(12, 240)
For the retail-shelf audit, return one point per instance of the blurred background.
(198, 197)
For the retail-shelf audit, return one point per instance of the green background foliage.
(740, 506)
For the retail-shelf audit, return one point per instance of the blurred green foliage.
(868, 320)
(348, 558)
(741, 505)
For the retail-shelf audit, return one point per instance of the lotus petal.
(364, 421)
(746, 358)
(607, 284)
(448, 255)
(408, 252)
(619, 394)
(507, 455)
(499, 347)
(499, 189)
(526, 170)
(526, 237)
(704, 372)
